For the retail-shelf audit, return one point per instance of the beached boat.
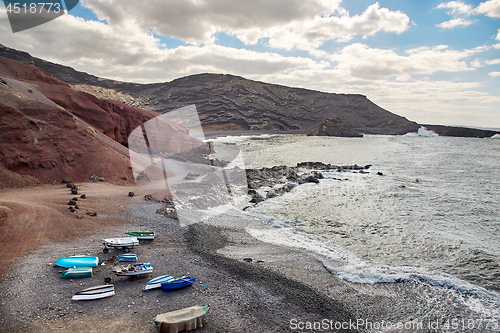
(179, 283)
(77, 273)
(96, 292)
(142, 234)
(124, 243)
(157, 281)
(184, 319)
(78, 261)
(133, 269)
(127, 257)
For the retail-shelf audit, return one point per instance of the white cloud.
(456, 7)
(453, 23)
(492, 62)
(494, 74)
(489, 8)
(359, 60)
(461, 11)
(304, 24)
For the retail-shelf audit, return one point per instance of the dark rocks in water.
(72, 202)
(248, 259)
(256, 197)
(257, 178)
(74, 191)
(71, 209)
(131, 194)
(75, 199)
(324, 166)
(83, 196)
(380, 173)
(308, 179)
(280, 190)
(282, 179)
(191, 176)
(77, 207)
(335, 127)
(66, 181)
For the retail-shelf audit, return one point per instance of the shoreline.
(243, 296)
(279, 290)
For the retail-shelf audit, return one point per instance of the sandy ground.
(266, 296)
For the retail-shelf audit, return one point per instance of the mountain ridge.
(232, 103)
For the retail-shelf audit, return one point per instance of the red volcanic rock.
(49, 131)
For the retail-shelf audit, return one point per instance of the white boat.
(157, 281)
(184, 319)
(133, 269)
(124, 243)
(96, 292)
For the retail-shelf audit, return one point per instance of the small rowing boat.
(133, 269)
(77, 273)
(123, 243)
(127, 257)
(157, 281)
(96, 292)
(179, 283)
(184, 319)
(77, 261)
(142, 234)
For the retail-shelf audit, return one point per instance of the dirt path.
(33, 217)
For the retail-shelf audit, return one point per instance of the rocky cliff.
(232, 103)
(49, 131)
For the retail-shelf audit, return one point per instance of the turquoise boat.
(127, 257)
(78, 261)
(77, 273)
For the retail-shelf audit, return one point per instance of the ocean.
(426, 213)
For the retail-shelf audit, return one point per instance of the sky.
(430, 61)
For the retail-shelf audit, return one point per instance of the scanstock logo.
(29, 14)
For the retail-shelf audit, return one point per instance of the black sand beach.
(267, 296)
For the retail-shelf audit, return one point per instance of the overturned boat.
(183, 319)
(96, 292)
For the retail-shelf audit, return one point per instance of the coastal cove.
(356, 247)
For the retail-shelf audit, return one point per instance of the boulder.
(335, 127)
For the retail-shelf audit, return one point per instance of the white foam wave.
(349, 267)
(496, 136)
(422, 131)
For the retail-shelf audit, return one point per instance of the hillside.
(228, 102)
(50, 132)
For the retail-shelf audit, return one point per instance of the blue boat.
(179, 283)
(77, 273)
(78, 261)
(157, 281)
(127, 257)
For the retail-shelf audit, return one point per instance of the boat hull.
(141, 235)
(183, 319)
(78, 261)
(77, 273)
(157, 281)
(179, 283)
(133, 270)
(127, 257)
(121, 242)
(93, 293)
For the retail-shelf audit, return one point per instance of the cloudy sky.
(430, 61)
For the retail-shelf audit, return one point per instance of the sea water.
(428, 212)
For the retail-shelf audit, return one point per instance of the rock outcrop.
(49, 132)
(335, 127)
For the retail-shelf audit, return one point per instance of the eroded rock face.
(49, 131)
(336, 127)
